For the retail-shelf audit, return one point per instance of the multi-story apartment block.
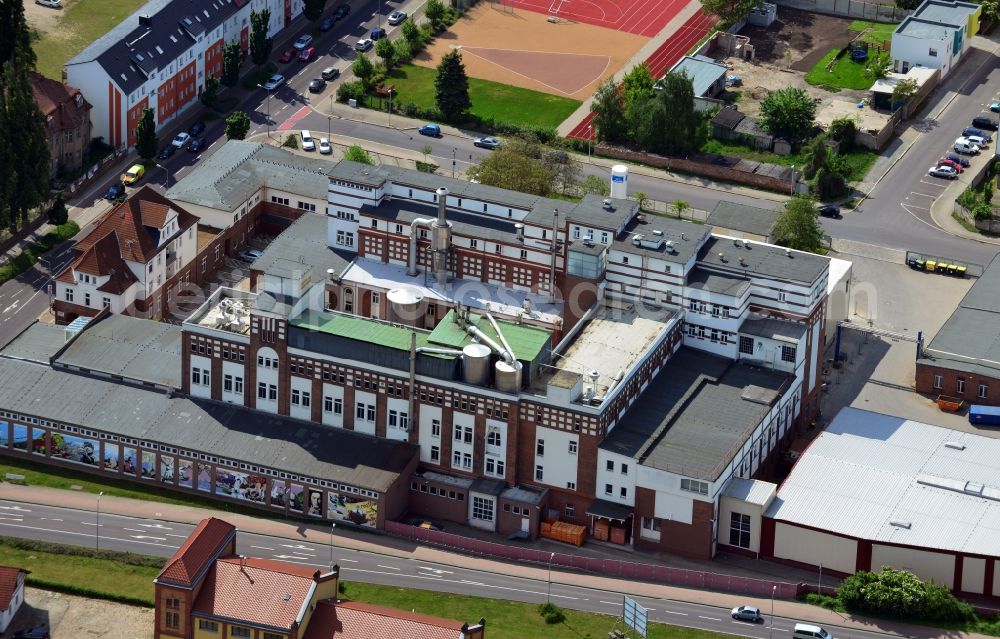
(67, 123)
(159, 58)
(550, 359)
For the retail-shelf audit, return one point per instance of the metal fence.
(859, 9)
(610, 567)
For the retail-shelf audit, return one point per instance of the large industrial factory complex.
(414, 345)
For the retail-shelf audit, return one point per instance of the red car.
(287, 56)
(307, 54)
(951, 163)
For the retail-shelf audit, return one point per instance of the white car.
(302, 42)
(364, 44)
(324, 146)
(52, 4)
(397, 17)
(308, 144)
(274, 82)
(181, 140)
(978, 141)
(943, 172)
(965, 146)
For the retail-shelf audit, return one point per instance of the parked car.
(249, 255)
(305, 55)
(32, 633)
(166, 152)
(115, 191)
(286, 56)
(943, 172)
(747, 613)
(397, 17)
(964, 146)
(52, 4)
(985, 122)
(486, 143)
(181, 139)
(327, 23)
(970, 131)
(364, 44)
(378, 33)
(431, 130)
(324, 146)
(330, 73)
(995, 107)
(274, 82)
(197, 145)
(317, 85)
(955, 157)
(134, 174)
(977, 140)
(197, 129)
(308, 144)
(830, 210)
(952, 163)
(302, 42)
(341, 11)
(809, 631)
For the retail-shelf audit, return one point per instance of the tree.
(145, 136)
(260, 43)
(232, 56)
(516, 166)
(667, 122)
(564, 171)
(817, 157)
(730, 10)
(637, 85)
(679, 206)
(595, 185)
(58, 214)
(355, 153)
(899, 594)
(640, 198)
(609, 113)
(426, 150)
(385, 49)
(313, 9)
(434, 11)
(879, 65)
(798, 226)
(210, 96)
(411, 33)
(237, 125)
(451, 87)
(788, 113)
(364, 71)
(844, 131)
(903, 91)
(991, 10)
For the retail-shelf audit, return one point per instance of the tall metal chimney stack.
(441, 239)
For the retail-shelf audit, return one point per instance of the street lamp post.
(548, 593)
(791, 182)
(261, 86)
(329, 121)
(166, 184)
(590, 139)
(97, 528)
(770, 631)
(390, 107)
(334, 525)
(453, 152)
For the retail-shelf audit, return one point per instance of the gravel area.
(72, 617)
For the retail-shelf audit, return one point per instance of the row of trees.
(24, 150)
(658, 116)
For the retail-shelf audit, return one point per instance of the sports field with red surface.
(662, 59)
(641, 17)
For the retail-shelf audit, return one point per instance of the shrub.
(355, 153)
(552, 613)
(291, 142)
(351, 90)
(899, 594)
(843, 131)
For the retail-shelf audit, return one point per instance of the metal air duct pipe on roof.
(420, 222)
(503, 340)
(506, 355)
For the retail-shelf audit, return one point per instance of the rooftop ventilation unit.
(657, 232)
(955, 445)
(898, 523)
(788, 252)
(607, 204)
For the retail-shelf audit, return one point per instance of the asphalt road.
(897, 212)
(23, 298)
(161, 538)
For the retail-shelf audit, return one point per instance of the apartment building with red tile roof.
(11, 593)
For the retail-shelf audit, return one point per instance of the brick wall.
(926, 372)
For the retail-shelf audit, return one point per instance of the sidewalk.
(395, 547)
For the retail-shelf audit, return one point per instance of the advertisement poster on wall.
(74, 449)
(315, 503)
(20, 437)
(128, 460)
(237, 485)
(360, 510)
(110, 457)
(38, 441)
(167, 469)
(296, 497)
(205, 477)
(148, 467)
(4, 434)
(278, 491)
(186, 477)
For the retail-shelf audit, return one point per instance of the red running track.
(642, 17)
(662, 59)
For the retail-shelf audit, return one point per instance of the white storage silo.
(405, 305)
(476, 364)
(619, 182)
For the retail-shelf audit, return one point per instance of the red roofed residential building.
(131, 262)
(67, 122)
(207, 591)
(11, 594)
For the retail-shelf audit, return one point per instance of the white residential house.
(936, 36)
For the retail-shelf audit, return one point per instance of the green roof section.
(363, 330)
(528, 342)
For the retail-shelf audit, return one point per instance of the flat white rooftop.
(503, 302)
(612, 341)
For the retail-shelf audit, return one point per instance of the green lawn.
(860, 160)
(501, 102)
(880, 31)
(80, 24)
(845, 74)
